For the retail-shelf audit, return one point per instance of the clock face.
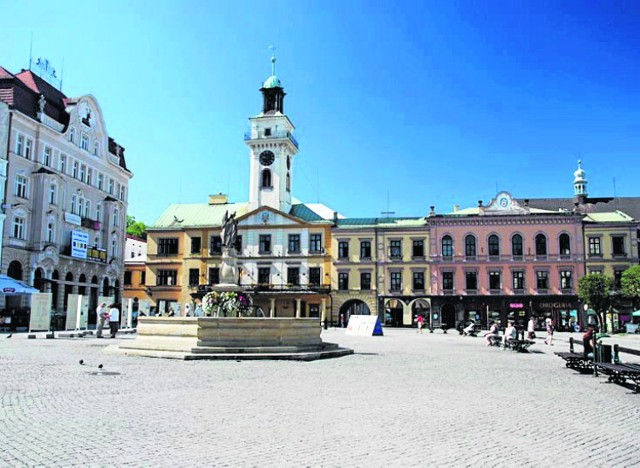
(266, 158)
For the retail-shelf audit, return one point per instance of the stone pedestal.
(229, 271)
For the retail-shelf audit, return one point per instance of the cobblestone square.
(402, 400)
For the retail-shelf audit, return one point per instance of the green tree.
(136, 228)
(595, 290)
(631, 284)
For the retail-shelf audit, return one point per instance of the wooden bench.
(619, 373)
(442, 327)
(519, 346)
(577, 362)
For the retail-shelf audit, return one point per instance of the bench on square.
(577, 362)
(519, 346)
(619, 373)
(444, 327)
(495, 340)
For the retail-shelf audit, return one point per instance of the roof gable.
(266, 215)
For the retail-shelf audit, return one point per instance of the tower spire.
(273, 59)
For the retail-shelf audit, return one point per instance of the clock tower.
(272, 149)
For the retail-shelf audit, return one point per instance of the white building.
(67, 188)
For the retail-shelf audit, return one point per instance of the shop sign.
(516, 305)
(555, 305)
(97, 255)
(72, 218)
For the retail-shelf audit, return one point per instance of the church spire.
(272, 90)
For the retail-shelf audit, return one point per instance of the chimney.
(219, 199)
(480, 203)
(456, 208)
(526, 202)
(432, 211)
(335, 218)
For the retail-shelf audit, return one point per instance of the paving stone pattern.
(402, 400)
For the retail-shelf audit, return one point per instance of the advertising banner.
(40, 318)
(79, 242)
(364, 325)
(77, 312)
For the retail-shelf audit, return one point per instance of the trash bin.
(604, 353)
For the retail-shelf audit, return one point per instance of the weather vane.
(273, 59)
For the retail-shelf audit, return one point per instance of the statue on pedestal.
(229, 232)
(229, 235)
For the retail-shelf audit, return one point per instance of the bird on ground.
(9, 335)
(100, 366)
(81, 362)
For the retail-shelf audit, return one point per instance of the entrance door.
(448, 313)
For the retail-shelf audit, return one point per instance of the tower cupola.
(272, 91)
(580, 181)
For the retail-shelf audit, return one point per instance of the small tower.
(580, 184)
(273, 147)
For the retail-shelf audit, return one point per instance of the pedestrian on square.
(549, 324)
(198, 312)
(511, 333)
(114, 319)
(493, 334)
(101, 316)
(531, 328)
(420, 321)
(187, 310)
(589, 341)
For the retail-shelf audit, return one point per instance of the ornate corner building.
(66, 192)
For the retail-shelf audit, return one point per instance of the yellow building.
(380, 266)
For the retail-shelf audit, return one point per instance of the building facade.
(66, 193)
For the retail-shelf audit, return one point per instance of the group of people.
(110, 315)
(511, 332)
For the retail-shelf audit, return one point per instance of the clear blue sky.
(434, 103)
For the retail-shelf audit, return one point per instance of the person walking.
(420, 321)
(114, 319)
(531, 328)
(549, 324)
(101, 316)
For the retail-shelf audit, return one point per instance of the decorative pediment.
(267, 216)
(504, 204)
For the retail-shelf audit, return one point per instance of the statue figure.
(229, 232)
(41, 102)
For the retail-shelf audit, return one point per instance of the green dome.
(272, 82)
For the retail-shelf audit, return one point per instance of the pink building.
(505, 261)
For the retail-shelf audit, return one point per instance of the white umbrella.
(12, 286)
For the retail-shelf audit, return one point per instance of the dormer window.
(84, 142)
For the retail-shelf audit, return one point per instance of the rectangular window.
(63, 163)
(365, 281)
(239, 245)
(315, 243)
(19, 145)
(111, 184)
(293, 276)
(194, 276)
(89, 179)
(617, 278)
(418, 249)
(396, 281)
(215, 245)
(365, 250)
(471, 280)
(100, 181)
(196, 245)
(494, 280)
(314, 276)
(618, 245)
(395, 249)
(83, 171)
(595, 248)
(122, 192)
(214, 275)
(53, 194)
(84, 142)
(18, 227)
(418, 280)
(166, 278)
(294, 243)
(143, 277)
(343, 281)
(27, 148)
(264, 275)
(46, 156)
(74, 174)
(518, 280)
(21, 186)
(447, 280)
(264, 245)
(168, 246)
(566, 280)
(343, 249)
(127, 278)
(542, 280)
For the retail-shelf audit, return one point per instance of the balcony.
(283, 134)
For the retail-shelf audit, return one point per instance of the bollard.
(571, 344)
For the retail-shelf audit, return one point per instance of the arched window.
(116, 217)
(266, 179)
(541, 245)
(565, 245)
(517, 246)
(470, 246)
(447, 246)
(51, 232)
(53, 194)
(114, 246)
(494, 245)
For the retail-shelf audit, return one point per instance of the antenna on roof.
(61, 74)
(387, 213)
(30, 50)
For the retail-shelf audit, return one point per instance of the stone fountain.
(191, 338)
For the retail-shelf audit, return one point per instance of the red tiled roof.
(28, 78)
(4, 73)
